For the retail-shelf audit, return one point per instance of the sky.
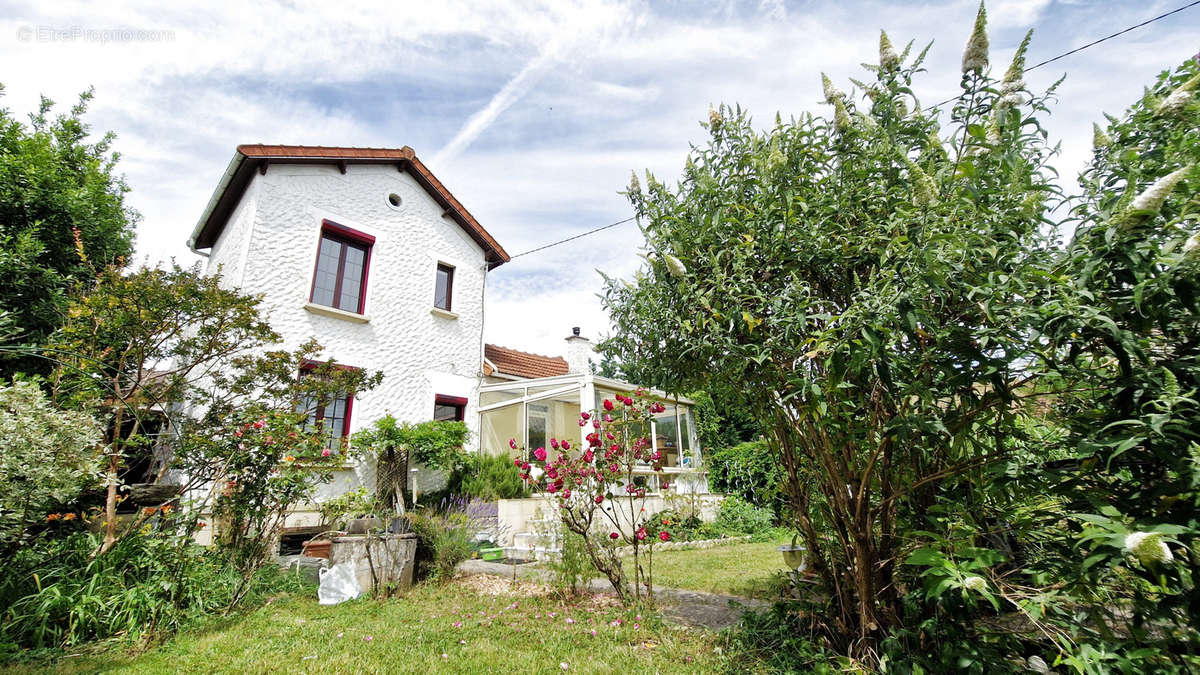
(532, 113)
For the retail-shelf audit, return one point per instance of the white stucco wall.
(270, 245)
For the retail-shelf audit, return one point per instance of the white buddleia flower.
(974, 583)
(1148, 548)
(674, 266)
(1013, 86)
(923, 188)
(889, 60)
(1151, 200)
(975, 56)
(1175, 102)
(841, 118)
(1180, 97)
(832, 93)
(1192, 245)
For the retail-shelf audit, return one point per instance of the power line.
(1093, 43)
(581, 234)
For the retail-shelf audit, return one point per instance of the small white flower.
(674, 266)
(1148, 548)
(975, 56)
(1151, 200)
(974, 583)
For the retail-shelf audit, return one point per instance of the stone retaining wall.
(686, 545)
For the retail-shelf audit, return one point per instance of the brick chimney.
(580, 352)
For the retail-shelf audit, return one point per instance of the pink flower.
(608, 405)
(368, 638)
(326, 452)
(540, 454)
(613, 535)
(641, 534)
(608, 418)
(566, 494)
(599, 499)
(554, 443)
(566, 445)
(664, 535)
(587, 456)
(260, 424)
(585, 415)
(595, 424)
(512, 443)
(583, 423)
(517, 462)
(552, 488)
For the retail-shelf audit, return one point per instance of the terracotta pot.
(317, 548)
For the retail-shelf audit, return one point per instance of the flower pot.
(317, 548)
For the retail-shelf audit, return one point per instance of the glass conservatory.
(535, 410)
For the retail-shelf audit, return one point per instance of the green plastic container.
(491, 553)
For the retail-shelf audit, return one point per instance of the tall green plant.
(867, 284)
(1127, 334)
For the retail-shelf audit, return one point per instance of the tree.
(62, 211)
(866, 285)
(171, 362)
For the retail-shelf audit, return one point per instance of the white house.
(365, 250)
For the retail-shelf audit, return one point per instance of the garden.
(962, 393)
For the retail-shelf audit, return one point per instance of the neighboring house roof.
(248, 158)
(505, 361)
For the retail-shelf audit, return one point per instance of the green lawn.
(737, 569)
(470, 626)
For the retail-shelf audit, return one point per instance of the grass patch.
(471, 625)
(749, 570)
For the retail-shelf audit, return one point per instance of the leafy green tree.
(62, 212)
(1127, 337)
(867, 285)
(170, 362)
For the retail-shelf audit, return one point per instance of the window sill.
(438, 311)
(336, 313)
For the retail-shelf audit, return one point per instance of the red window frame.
(458, 402)
(308, 366)
(449, 269)
(346, 237)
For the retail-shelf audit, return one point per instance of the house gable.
(251, 160)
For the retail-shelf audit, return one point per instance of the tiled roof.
(523, 364)
(258, 156)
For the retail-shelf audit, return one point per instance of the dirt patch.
(486, 584)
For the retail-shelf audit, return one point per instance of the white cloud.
(541, 108)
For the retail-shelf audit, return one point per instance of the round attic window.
(394, 200)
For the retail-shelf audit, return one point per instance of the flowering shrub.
(271, 462)
(599, 490)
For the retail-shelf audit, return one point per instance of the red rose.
(664, 536)
(540, 454)
(599, 498)
(614, 535)
(608, 404)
